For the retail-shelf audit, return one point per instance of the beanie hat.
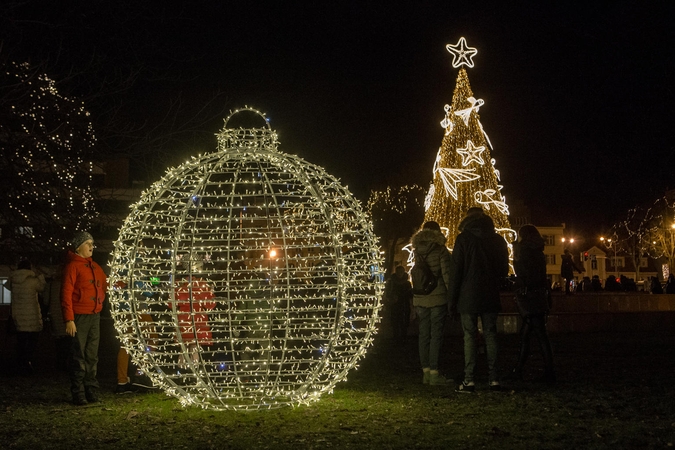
(431, 225)
(79, 239)
(475, 210)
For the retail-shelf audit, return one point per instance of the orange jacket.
(83, 288)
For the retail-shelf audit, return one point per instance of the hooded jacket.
(439, 262)
(480, 260)
(83, 287)
(25, 286)
(529, 263)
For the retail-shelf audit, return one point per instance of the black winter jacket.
(529, 263)
(480, 261)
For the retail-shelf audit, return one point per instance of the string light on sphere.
(246, 278)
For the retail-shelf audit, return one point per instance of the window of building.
(616, 261)
(594, 264)
(550, 259)
(549, 239)
(644, 263)
(5, 294)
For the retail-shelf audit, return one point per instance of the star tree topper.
(462, 53)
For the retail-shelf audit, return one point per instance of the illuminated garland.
(461, 179)
(246, 278)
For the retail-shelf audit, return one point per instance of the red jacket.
(192, 303)
(83, 288)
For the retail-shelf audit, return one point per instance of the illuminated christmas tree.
(464, 173)
(45, 183)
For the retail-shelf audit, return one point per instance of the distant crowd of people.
(622, 284)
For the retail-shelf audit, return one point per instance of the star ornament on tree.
(461, 53)
(471, 153)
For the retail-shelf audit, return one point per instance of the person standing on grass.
(83, 291)
(480, 261)
(52, 301)
(530, 264)
(432, 309)
(26, 313)
(398, 296)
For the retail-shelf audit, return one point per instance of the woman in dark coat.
(530, 266)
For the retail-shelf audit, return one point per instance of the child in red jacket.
(83, 291)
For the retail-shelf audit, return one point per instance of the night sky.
(578, 99)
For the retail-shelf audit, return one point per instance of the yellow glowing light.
(259, 270)
(462, 53)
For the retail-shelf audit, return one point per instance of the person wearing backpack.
(430, 297)
(480, 262)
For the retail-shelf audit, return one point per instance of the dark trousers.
(535, 324)
(26, 342)
(399, 315)
(62, 355)
(84, 354)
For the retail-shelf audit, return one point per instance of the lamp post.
(610, 245)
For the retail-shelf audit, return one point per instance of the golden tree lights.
(246, 278)
(464, 173)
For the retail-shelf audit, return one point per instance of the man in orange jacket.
(82, 295)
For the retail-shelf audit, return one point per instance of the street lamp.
(609, 244)
(570, 240)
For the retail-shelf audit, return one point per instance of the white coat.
(25, 286)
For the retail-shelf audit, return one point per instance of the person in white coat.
(25, 286)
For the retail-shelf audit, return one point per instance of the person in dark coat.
(480, 262)
(670, 284)
(398, 300)
(529, 263)
(432, 309)
(596, 285)
(655, 286)
(567, 268)
(611, 285)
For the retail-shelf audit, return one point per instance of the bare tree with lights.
(396, 212)
(46, 183)
(660, 231)
(464, 173)
(648, 230)
(630, 236)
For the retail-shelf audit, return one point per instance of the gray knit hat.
(79, 239)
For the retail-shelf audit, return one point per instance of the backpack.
(424, 281)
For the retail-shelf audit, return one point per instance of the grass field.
(614, 391)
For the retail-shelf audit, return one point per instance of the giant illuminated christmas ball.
(246, 278)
